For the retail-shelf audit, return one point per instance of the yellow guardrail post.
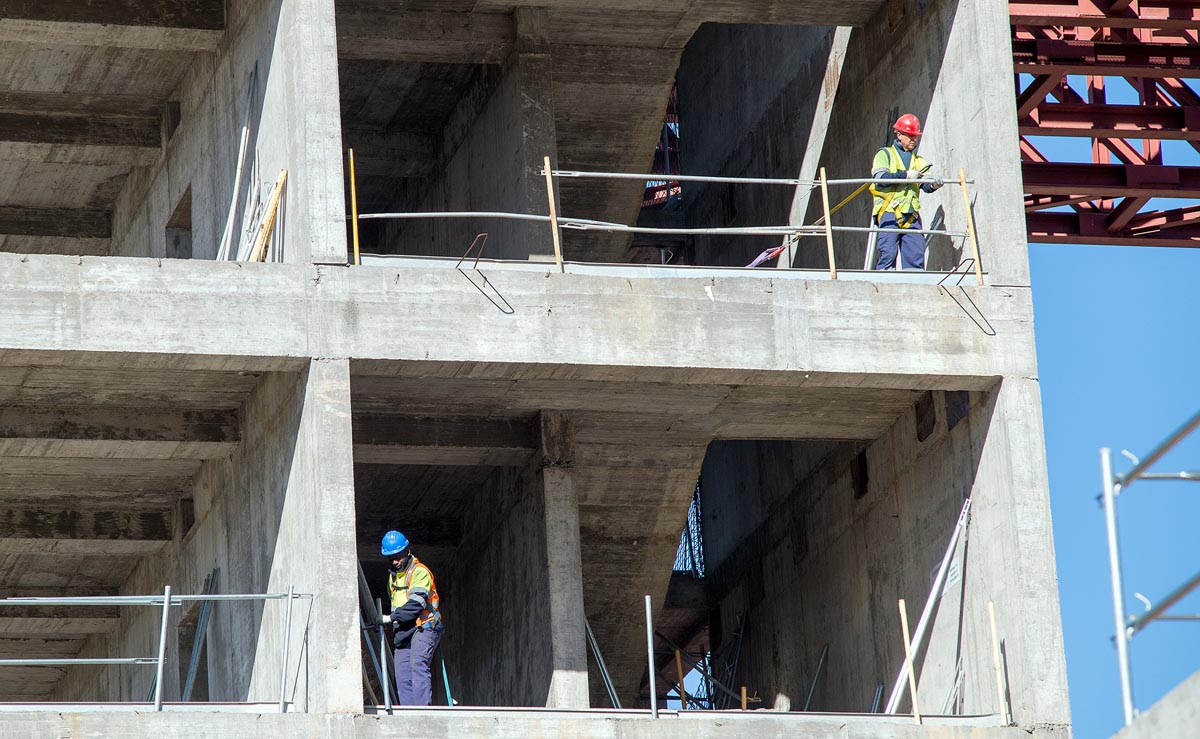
(828, 225)
(962, 181)
(354, 209)
(558, 259)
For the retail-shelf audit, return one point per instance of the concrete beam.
(45, 529)
(43, 621)
(399, 35)
(148, 433)
(69, 222)
(182, 40)
(196, 14)
(73, 130)
(397, 439)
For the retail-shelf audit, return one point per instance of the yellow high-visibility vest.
(904, 199)
(417, 576)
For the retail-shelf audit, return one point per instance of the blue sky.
(1118, 341)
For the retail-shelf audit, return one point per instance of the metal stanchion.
(384, 657)
(1114, 563)
(287, 628)
(162, 649)
(650, 660)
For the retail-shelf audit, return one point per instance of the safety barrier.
(165, 601)
(1126, 625)
(792, 233)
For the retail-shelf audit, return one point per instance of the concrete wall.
(430, 724)
(497, 639)
(1176, 714)
(278, 512)
(927, 57)
(294, 124)
(747, 120)
(788, 542)
(492, 149)
(514, 597)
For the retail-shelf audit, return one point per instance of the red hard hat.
(908, 124)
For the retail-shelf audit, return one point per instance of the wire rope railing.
(791, 233)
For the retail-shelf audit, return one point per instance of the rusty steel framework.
(1154, 45)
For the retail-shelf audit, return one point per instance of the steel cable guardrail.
(791, 233)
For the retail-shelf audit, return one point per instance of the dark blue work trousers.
(414, 683)
(910, 245)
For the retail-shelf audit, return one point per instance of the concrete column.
(569, 680)
(322, 541)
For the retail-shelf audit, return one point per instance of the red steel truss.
(1155, 46)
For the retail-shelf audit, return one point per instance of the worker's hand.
(937, 183)
(915, 174)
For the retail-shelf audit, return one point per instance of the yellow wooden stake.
(259, 252)
(354, 209)
(996, 664)
(912, 674)
(743, 697)
(682, 692)
(558, 259)
(828, 225)
(962, 181)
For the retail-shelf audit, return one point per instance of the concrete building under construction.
(214, 377)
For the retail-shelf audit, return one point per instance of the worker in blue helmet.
(416, 621)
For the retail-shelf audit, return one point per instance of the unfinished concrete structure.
(537, 432)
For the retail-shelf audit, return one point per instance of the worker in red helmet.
(897, 206)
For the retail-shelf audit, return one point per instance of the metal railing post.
(287, 629)
(828, 225)
(162, 649)
(1118, 590)
(384, 657)
(650, 660)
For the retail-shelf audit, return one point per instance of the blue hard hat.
(393, 543)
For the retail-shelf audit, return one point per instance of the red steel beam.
(1165, 14)
(1113, 121)
(1119, 60)
(1091, 228)
(1111, 180)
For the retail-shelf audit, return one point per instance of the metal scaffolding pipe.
(935, 592)
(162, 648)
(650, 660)
(1159, 451)
(1156, 613)
(1118, 590)
(570, 173)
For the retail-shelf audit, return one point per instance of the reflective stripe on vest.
(903, 200)
(430, 613)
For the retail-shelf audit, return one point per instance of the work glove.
(937, 183)
(915, 174)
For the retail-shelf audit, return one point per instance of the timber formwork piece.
(1153, 47)
(535, 419)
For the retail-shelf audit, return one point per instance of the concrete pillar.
(321, 539)
(569, 681)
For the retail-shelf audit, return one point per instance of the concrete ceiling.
(93, 465)
(82, 93)
(613, 65)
